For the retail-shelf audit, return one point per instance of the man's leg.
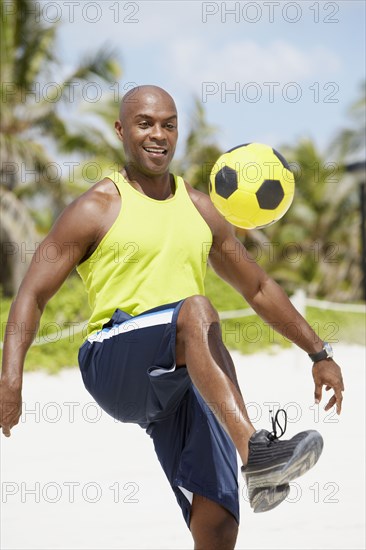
(272, 464)
(212, 526)
(199, 345)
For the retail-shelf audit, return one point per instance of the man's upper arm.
(63, 248)
(228, 256)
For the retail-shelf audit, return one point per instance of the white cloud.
(193, 61)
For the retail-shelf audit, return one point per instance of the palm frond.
(35, 55)
(102, 65)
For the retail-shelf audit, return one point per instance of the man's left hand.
(327, 373)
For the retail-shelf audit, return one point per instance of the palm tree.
(106, 151)
(350, 144)
(352, 140)
(201, 151)
(31, 125)
(316, 244)
(17, 239)
(32, 130)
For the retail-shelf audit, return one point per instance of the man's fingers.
(328, 374)
(330, 403)
(336, 399)
(339, 398)
(6, 431)
(318, 393)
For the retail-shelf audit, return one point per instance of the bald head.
(148, 129)
(149, 95)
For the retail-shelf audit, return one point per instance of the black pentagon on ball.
(226, 182)
(282, 159)
(237, 147)
(270, 194)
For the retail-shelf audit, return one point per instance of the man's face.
(148, 130)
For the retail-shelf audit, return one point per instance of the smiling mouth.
(156, 150)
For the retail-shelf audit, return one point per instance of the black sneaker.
(272, 464)
(267, 498)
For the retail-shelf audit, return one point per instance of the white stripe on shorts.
(135, 323)
(187, 494)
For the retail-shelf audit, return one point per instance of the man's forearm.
(21, 329)
(274, 307)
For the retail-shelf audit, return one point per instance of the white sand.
(72, 478)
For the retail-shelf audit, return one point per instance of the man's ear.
(119, 130)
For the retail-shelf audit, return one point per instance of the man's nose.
(157, 132)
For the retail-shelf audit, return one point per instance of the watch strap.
(319, 356)
(325, 353)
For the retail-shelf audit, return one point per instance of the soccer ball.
(252, 185)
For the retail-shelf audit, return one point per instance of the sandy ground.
(73, 478)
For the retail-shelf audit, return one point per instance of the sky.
(273, 72)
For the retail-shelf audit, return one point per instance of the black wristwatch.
(325, 353)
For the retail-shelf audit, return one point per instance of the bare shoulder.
(75, 234)
(220, 228)
(99, 199)
(91, 211)
(88, 218)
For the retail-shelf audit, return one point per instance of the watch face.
(328, 348)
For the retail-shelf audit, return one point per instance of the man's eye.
(143, 124)
(170, 126)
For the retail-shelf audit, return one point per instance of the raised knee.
(197, 315)
(197, 319)
(200, 307)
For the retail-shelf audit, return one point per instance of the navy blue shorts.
(129, 369)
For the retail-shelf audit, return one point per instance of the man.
(154, 353)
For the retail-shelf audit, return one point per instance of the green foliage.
(67, 311)
(251, 335)
(223, 296)
(246, 334)
(338, 327)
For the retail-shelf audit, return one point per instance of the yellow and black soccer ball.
(252, 185)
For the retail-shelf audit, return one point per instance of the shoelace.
(272, 436)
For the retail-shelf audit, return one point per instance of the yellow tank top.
(155, 253)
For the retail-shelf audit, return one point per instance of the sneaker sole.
(268, 498)
(306, 456)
